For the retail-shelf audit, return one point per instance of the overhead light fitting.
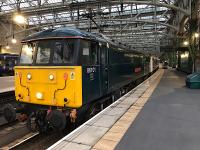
(196, 35)
(19, 18)
(186, 43)
(7, 47)
(14, 41)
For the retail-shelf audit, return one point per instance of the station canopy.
(138, 24)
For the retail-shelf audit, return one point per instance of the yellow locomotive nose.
(53, 86)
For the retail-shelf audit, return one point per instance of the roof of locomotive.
(62, 33)
(71, 33)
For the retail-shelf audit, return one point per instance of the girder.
(117, 19)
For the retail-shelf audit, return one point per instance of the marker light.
(51, 77)
(29, 76)
(39, 95)
(65, 76)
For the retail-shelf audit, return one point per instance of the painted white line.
(7, 90)
(24, 140)
(57, 143)
(7, 77)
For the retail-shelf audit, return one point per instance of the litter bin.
(193, 81)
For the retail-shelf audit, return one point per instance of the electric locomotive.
(64, 73)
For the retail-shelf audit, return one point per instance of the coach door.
(104, 68)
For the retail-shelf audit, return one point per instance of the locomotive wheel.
(9, 113)
(57, 119)
(31, 123)
(41, 121)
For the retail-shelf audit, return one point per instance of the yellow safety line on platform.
(110, 140)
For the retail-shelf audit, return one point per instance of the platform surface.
(6, 84)
(112, 119)
(170, 120)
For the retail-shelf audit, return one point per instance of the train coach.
(7, 63)
(66, 74)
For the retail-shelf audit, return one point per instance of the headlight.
(29, 76)
(51, 77)
(39, 95)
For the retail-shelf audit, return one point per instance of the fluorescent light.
(184, 55)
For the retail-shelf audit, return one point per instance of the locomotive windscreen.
(48, 52)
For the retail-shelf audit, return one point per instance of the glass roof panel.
(92, 15)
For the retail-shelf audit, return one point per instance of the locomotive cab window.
(43, 52)
(27, 53)
(63, 51)
(88, 53)
(48, 52)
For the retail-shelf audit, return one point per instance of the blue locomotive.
(67, 74)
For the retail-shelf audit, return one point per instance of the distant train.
(165, 65)
(7, 63)
(66, 74)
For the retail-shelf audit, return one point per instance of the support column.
(151, 64)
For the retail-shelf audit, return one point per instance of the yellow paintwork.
(40, 82)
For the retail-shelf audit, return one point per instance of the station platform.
(6, 84)
(160, 113)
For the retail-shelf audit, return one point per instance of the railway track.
(10, 132)
(38, 141)
(7, 97)
(8, 124)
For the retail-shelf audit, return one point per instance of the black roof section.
(59, 33)
(72, 32)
